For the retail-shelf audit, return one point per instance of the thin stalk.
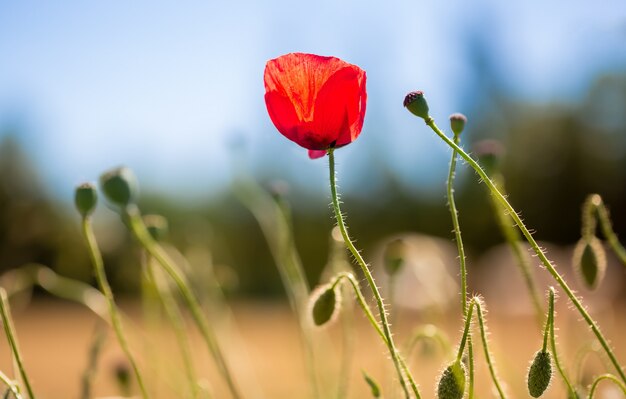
(168, 302)
(609, 377)
(607, 228)
(428, 332)
(511, 235)
(470, 356)
(368, 275)
(570, 387)
(540, 254)
(9, 330)
(11, 385)
(140, 232)
(456, 226)
(96, 259)
(94, 354)
(372, 319)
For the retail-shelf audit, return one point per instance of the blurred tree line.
(556, 155)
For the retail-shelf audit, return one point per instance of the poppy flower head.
(317, 102)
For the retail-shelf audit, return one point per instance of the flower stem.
(140, 232)
(9, 330)
(542, 256)
(570, 388)
(11, 385)
(607, 228)
(96, 259)
(609, 377)
(368, 275)
(372, 319)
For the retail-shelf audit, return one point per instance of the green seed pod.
(395, 253)
(452, 382)
(157, 226)
(119, 185)
(85, 199)
(539, 374)
(325, 302)
(457, 123)
(416, 104)
(374, 387)
(589, 262)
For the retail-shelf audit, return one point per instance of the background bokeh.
(175, 92)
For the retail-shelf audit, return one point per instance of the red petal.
(314, 154)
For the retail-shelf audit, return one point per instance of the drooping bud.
(157, 226)
(119, 185)
(325, 304)
(457, 123)
(589, 262)
(121, 371)
(539, 374)
(416, 104)
(452, 382)
(374, 387)
(489, 154)
(394, 256)
(85, 199)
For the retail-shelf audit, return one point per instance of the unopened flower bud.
(394, 256)
(589, 262)
(325, 302)
(157, 226)
(539, 374)
(457, 123)
(119, 185)
(416, 104)
(85, 199)
(452, 382)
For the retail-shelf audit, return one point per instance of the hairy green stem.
(116, 322)
(372, 319)
(540, 254)
(140, 232)
(609, 377)
(594, 201)
(570, 388)
(368, 275)
(9, 330)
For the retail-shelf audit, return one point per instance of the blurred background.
(175, 92)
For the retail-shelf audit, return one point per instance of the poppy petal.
(314, 154)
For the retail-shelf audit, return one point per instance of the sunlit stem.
(395, 356)
(168, 302)
(116, 322)
(570, 388)
(11, 385)
(372, 319)
(9, 330)
(154, 249)
(609, 377)
(470, 359)
(428, 332)
(594, 201)
(540, 254)
(512, 238)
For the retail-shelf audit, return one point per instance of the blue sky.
(166, 87)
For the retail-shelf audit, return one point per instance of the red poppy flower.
(317, 102)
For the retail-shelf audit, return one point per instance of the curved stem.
(154, 249)
(540, 254)
(609, 377)
(607, 228)
(570, 387)
(11, 385)
(96, 259)
(427, 332)
(368, 275)
(372, 319)
(9, 330)
(457, 228)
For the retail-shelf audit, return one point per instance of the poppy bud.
(457, 123)
(374, 387)
(589, 262)
(416, 104)
(85, 199)
(157, 226)
(119, 185)
(394, 256)
(452, 382)
(489, 154)
(325, 304)
(539, 374)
